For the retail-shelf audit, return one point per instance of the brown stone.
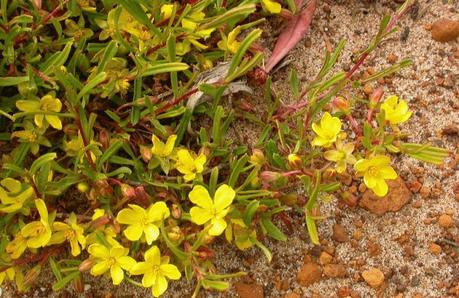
(309, 274)
(444, 30)
(292, 295)
(373, 277)
(340, 234)
(325, 258)
(434, 248)
(335, 270)
(445, 221)
(252, 290)
(397, 197)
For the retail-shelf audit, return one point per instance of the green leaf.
(57, 60)
(243, 47)
(250, 211)
(64, 281)
(237, 169)
(271, 229)
(230, 15)
(425, 152)
(55, 268)
(42, 160)
(312, 230)
(12, 81)
(163, 68)
(99, 78)
(136, 10)
(110, 51)
(114, 147)
(215, 285)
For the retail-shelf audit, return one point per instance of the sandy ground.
(396, 243)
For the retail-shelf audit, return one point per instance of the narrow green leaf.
(163, 68)
(12, 81)
(99, 78)
(271, 229)
(250, 211)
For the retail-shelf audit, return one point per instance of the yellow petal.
(140, 268)
(170, 271)
(199, 215)
(158, 211)
(12, 185)
(218, 226)
(75, 248)
(166, 10)
(160, 285)
(149, 279)
(126, 262)
(370, 180)
(271, 6)
(153, 256)
(223, 197)
(151, 233)
(170, 143)
(362, 165)
(57, 238)
(39, 120)
(100, 268)
(130, 216)
(200, 196)
(387, 172)
(133, 232)
(42, 210)
(54, 121)
(158, 146)
(333, 155)
(117, 274)
(99, 251)
(380, 188)
(28, 105)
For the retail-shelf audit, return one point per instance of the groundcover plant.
(113, 122)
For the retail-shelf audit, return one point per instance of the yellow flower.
(375, 171)
(211, 210)
(395, 111)
(327, 131)
(230, 44)
(114, 259)
(166, 10)
(47, 103)
(13, 195)
(16, 247)
(8, 273)
(38, 233)
(155, 269)
(32, 135)
(342, 155)
(161, 149)
(143, 222)
(271, 6)
(71, 232)
(189, 165)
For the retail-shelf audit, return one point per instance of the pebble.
(340, 233)
(434, 248)
(325, 258)
(335, 270)
(292, 295)
(397, 197)
(444, 30)
(373, 277)
(309, 274)
(445, 221)
(252, 290)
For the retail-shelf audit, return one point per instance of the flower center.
(373, 171)
(69, 234)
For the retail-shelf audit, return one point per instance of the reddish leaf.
(297, 27)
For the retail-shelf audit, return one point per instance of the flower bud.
(176, 212)
(341, 104)
(70, 130)
(127, 190)
(375, 97)
(145, 153)
(78, 284)
(31, 276)
(175, 234)
(83, 187)
(294, 161)
(86, 265)
(257, 157)
(270, 176)
(104, 138)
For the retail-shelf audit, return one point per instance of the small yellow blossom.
(13, 195)
(155, 269)
(327, 130)
(375, 171)
(211, 210)
(107, 230)
(38, 233)
(230, 44)
(16, 247)
(166, 10)
(271, 6)
(143, 222)
(33, 136)
(47, 103)
(342, 155)
(114, 259)
(161, 149)
(71, 232)
(190, 165)
(395, 111)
